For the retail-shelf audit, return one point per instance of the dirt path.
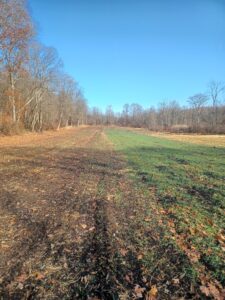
(74, 226)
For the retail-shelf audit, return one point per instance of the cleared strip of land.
(86, 214)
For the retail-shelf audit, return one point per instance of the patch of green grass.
(189, 183)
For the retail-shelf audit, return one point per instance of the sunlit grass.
(189, 183)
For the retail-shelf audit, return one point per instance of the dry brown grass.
(35, 138)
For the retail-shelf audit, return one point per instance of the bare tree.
(81, 110)
(197, 102)
(43, 69)
(125, 114)
(66, 94)
(95, 116)
(136, 111)
(109, 114)
(15, 33)
(216, 90)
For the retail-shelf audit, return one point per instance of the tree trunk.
(40, 120)
(34, 122)
(12, 97)
(60, 120)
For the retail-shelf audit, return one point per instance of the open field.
(213, 140)
(106, 213)
(209, 140)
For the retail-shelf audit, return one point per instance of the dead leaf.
(39, 276)
(139, 291)
(20, 286)
(123, 251)
(84, 226)
(21, 278)
(210, 222)
(192, 230)
(128, 279)
(176, 281)
(154, 290)
(172, 230)
(144, 279)
(204, 233)
(140, 256)
(215, 292)
(152, 293)
(205, 290)
(220, 237)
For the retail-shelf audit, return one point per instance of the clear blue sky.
(124, 51)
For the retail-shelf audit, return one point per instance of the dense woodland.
(36, 94)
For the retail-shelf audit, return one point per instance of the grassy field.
(205, 140)
(188, 185)
(213, 140)
(105, 213)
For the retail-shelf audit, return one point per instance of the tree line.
(35, 92)
(204, 113)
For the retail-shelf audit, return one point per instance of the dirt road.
(74, 226)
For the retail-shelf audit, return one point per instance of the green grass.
(189, 183)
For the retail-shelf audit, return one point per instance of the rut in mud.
(97, 277)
